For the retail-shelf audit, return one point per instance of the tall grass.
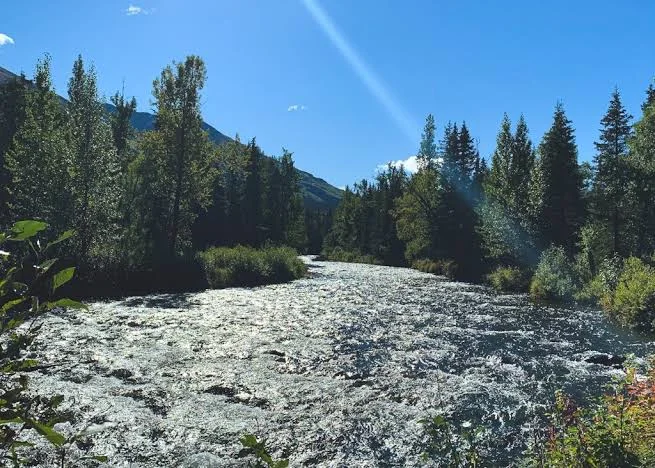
(247, 266)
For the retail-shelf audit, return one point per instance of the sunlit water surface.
(333, 370)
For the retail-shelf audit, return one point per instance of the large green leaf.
(66, 304)
(48, 432)
(11, 304)
(61, 238)
(23, 230)
(63, 277)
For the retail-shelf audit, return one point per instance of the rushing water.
(333, 370)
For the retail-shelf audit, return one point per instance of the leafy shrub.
(247, 266)
(601, 288)
(446, 268)
(29, 289)
(554, 278)
(259, 450)
(618, 430)
(338, 254)
(633, 301)
(510, 279)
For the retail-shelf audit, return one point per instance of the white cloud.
(410, 164)
(296, 107)
(133, 10)
(4, 39)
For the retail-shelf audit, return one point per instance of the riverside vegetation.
(536, 221)
(144, 204)
(165, 210)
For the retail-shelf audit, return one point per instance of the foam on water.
(334, 370)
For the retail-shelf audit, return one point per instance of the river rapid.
(333, 370)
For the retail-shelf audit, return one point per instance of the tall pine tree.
(559, 200)
(609, 190)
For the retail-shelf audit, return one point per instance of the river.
(333, 370)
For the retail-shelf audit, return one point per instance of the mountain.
(317, 193)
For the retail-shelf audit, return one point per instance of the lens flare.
(375, 86)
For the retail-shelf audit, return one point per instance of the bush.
(633, 301)
(446, 268)
(340, 255)
(247, 266)
(554, 278)
(601, 288)
(619, 430)
(510, 279)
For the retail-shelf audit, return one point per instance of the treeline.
(534, 204)
(142, 203)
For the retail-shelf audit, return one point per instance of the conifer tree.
(121, 127)
(427, 154)
(609, 190)
(559, 200)
(641, 162)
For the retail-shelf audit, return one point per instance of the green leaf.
(63, 277)
(249, 441)
(45, 266)
(48, 432)
(10, 421)
(23, 230)
(66, 304)
(66, 235)
(11, 304)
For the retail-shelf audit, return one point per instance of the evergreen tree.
(499, 185)
(427, 154)
(641, 163)
(521, 167)
(121, 127)
(558, 194)
(253, 210)
(609, 188)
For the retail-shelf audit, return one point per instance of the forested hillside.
(142, 202)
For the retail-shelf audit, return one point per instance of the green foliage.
(610, 182)
(248, 266)
(554, 278)
(601, 288)
(261, 453)
(617, 430)
(633, 300)
(447, 268)
(509, 279)
(28, 281)
(338, 254)
(450, 445)
(557, 185)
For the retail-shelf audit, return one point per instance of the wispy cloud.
(296, 107)
(410, 164)
(4, 39)
(133, 10)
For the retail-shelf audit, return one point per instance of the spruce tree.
(609, 188)
(427, 154)
(560, 184)
(499, 184)
(641, 163)
(121, 127)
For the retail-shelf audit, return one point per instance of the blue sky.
(362, 73)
